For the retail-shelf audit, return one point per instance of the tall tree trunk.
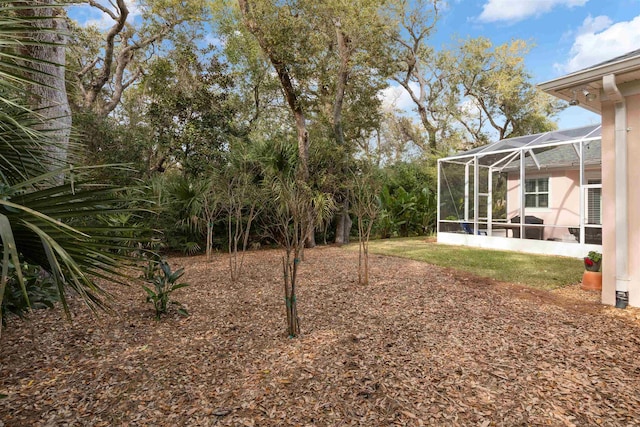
(347, 222)
(286, 82)
(303, 141)
(341, 84)
(343, 223)
(339, 238)
(49, 60)
(429, 127)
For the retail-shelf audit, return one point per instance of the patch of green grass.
(539, 271)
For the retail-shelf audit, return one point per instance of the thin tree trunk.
(290, 270)
(294, 329)
(367, 236)
(366, 263)
(303, 142)
(230, 249)
(209, 238)
(359, 249)
(287, 297)
(245, 239)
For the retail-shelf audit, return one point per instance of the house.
(478, 192)
(558, 176)
(612, 89)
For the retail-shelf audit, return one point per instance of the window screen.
(594, 203)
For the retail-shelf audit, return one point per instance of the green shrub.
(41, 292)
(408, 200)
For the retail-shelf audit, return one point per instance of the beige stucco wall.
(633, 135)
(633, 200)
(564, 202)
(608, 206)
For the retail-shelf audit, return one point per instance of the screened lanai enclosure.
(536, 193)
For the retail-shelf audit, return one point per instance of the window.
(594, 203)
(536, 193)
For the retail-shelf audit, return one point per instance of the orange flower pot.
(592, 281)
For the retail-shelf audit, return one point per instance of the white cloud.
(513, 11)
(395, 97)
(593, 25)
(470, 108)
(101, 23)
(87, 16)
(599, 40)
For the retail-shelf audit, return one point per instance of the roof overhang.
(575, 86)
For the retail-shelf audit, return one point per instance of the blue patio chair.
(468, 228)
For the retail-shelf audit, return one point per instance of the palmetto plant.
(57, 227)
(49, 211)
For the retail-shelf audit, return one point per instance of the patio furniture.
(468, 228)
(529, 232)
(592, 235)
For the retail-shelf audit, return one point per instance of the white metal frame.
(471, 161)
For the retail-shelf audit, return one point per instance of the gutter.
(611, 90)
(592, 74)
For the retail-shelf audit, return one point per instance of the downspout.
(438, 201)
(582, 205)
(620, 138)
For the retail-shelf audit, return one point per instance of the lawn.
(539, 271)
(420, 345)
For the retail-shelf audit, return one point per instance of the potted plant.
(592, 277)
(593, 261)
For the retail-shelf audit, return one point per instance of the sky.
(567, 35)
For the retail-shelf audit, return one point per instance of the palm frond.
(51, 213)
(61, 229)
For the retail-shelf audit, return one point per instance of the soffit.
(573, 86)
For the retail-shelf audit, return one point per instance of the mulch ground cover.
(420, 345)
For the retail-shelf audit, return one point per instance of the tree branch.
(106, 10)
(97, 85)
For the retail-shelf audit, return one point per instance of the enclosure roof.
(555, 137)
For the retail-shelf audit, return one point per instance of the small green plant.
(595, 256)
(40, 288)
(159, 274)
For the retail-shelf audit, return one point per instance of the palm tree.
(49, 210)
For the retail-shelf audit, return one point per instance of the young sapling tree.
(295, 210)
(365, 205)
(210, 210)
(242, 201)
